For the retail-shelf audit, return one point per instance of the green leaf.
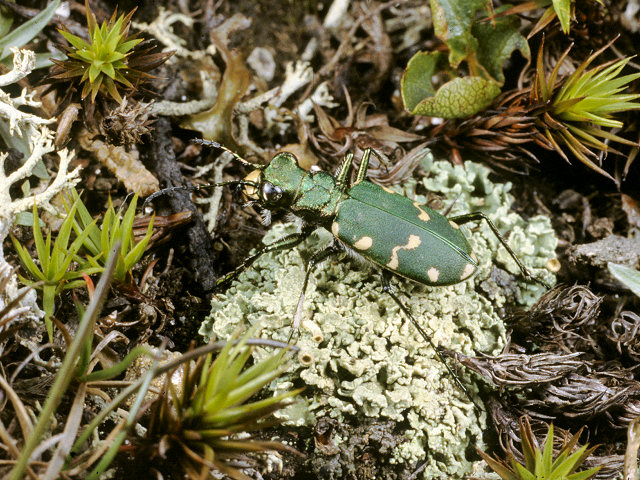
(626, 275)
(238, 358)
(137, 252)
(114, 58)
(87, 56)
(27, 261)
(75, 283)
(496, 43)
(547, 454)
(112, 38)
(94, 71)
(459, 98)
(563, 11)
(65, 229)
(6, 20)
(520, 470)
(48, 305)
(77, 42)
(416, 83)
(43, 254)
(248, 389)
(452, 21)
(85, 222)
(105, 228)
(584, 475)
(98, 241)
(128, 45)
(126, 229)
(24, 218)
(260, 368)
(43, 60)
(570, 463)
(28, 30)
(108, 70)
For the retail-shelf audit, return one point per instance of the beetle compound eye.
(271, 193)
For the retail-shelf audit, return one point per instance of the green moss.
(360, 357)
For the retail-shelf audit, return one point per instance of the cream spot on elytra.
(413, 243)
(424, 216)
(433, 273)
(468, 270)
(335, 228)
(364, 243)
(454, 224)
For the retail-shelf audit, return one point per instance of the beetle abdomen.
(405, 237)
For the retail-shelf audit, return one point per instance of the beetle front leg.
(313, 261)
(478, 216)
(386, 287)
(284, 243)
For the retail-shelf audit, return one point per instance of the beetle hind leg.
(386, 287)
(479, 216)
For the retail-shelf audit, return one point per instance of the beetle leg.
(313, 261)
(478, 216)
(386, 287)
(344, 173)
(361, 174)
(284, 243)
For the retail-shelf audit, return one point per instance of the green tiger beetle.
(416, 242)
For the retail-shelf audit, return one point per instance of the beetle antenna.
(212, 144)
(195, 188)
(450, 207)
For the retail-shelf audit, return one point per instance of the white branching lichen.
(42, 143)
(296, 76)
(39, 140)
(24, 62)
(321, 97)
(162, 28)
(21, 123)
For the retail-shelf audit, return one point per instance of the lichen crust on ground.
(360, 357)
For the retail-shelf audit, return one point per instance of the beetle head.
(276, 185)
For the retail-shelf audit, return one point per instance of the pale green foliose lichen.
(360, 357)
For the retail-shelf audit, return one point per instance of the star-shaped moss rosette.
(110, 59)
(543, 463)
(581, 107)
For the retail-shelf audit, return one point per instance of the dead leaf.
(125, 165)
